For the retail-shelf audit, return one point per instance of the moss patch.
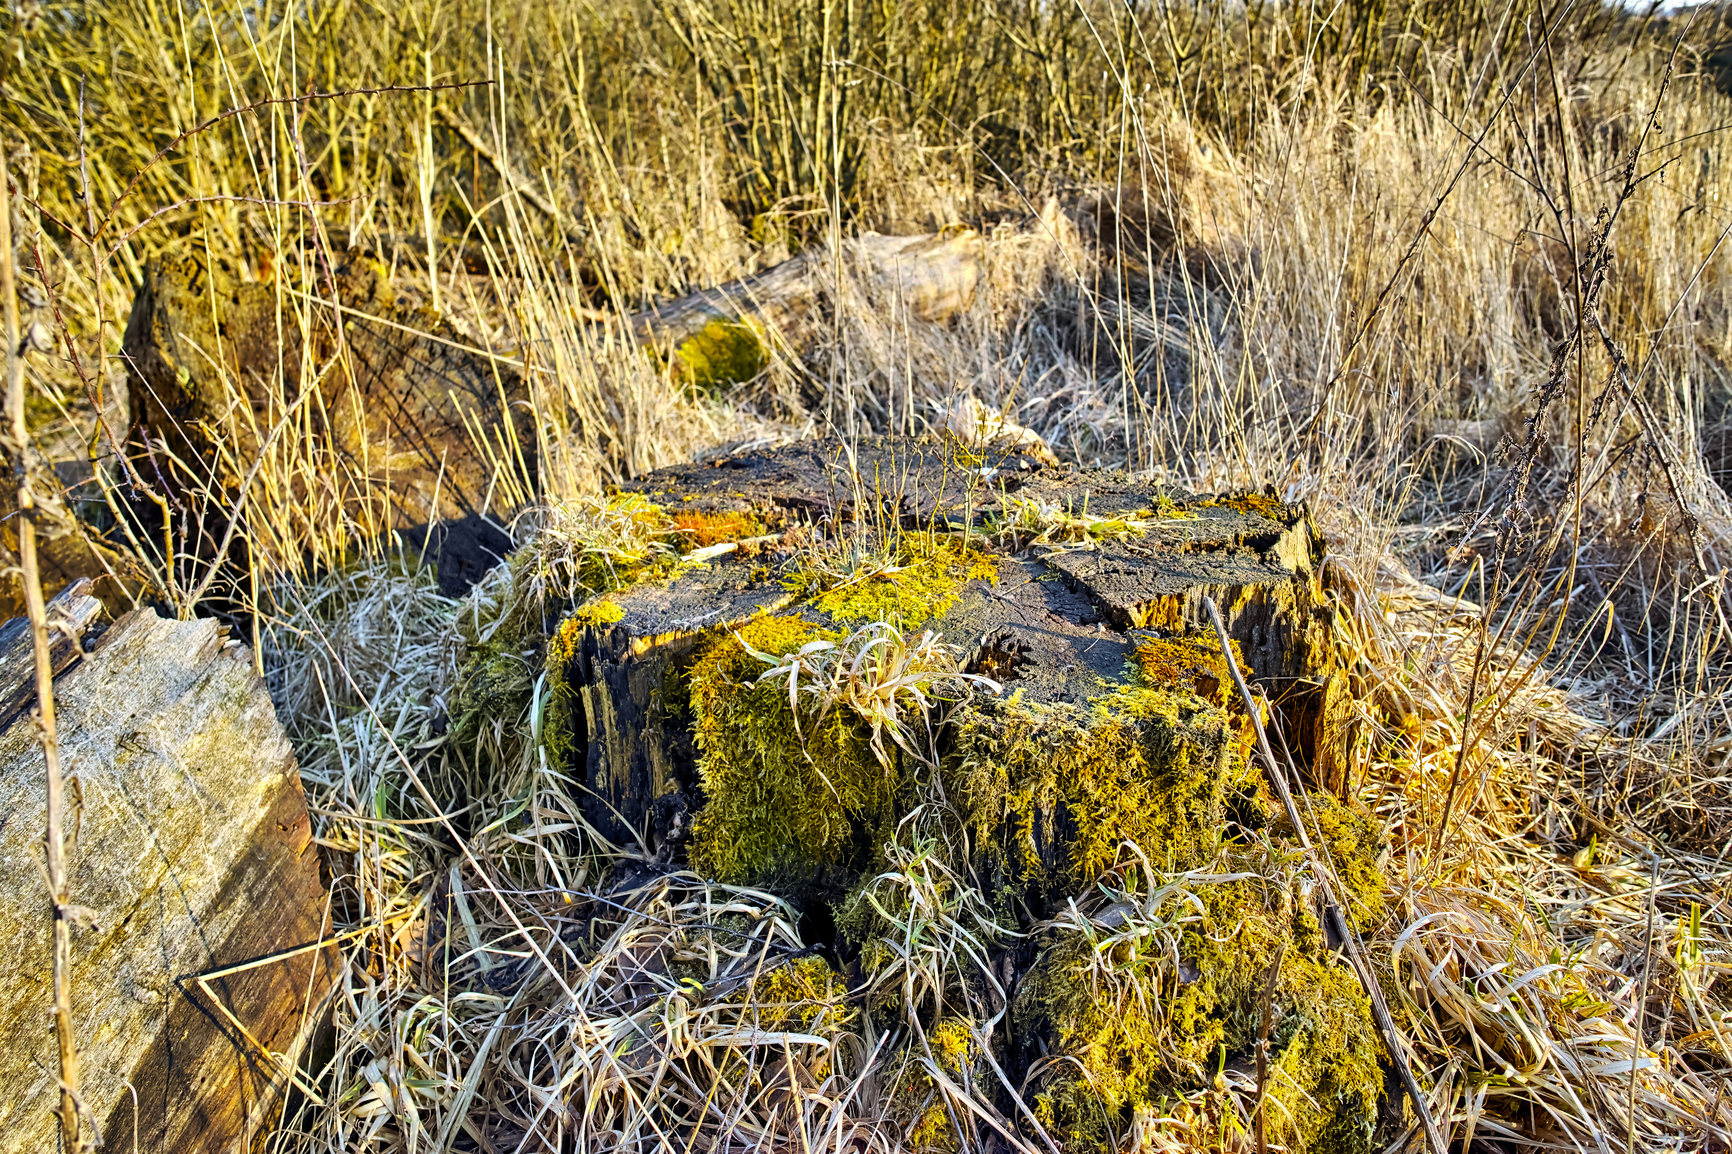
(1194, 663)
(803, 994)
(1259, 504)
(916, 1098)
(789, 802)
(696, 530)
(722, 353)
(920, 582)
(1052, 792)
(1052, 795)
(1143, 1025)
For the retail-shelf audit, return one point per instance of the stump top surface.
(1060, 616)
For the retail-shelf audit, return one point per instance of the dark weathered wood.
(1113, 754)
(216, 358)
(71, 616)
(192, 852)
(1055, 624)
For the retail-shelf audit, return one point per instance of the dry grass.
(1340, 258)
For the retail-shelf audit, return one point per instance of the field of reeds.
(1453, 274)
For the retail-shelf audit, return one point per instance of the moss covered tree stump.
(855, 658)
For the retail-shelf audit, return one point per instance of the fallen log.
(723, 335)
(859, 652)
(193, 865)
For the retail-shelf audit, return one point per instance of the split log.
(192, 856)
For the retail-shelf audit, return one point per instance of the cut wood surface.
(191, 852)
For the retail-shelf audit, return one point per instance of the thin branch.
(17, 440)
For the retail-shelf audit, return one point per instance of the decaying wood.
(218, 362)
(1054, 626)
(932, 276)
(190, 851)
(1395, 1043)
(437, 434)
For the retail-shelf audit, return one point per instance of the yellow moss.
(787, 804)
(924, 583)
(559, 723)
(1351, 839)
(1141, 1028)
(1194, 663)
(1161, 768)
(1259, 504)
(1051, 794)
(600, 611)
(697, 530)
(915, 1098)
(803, 994)
(723, 352)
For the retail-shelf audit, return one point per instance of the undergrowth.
(1332, 252)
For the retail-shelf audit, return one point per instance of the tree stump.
(191, 852)
(743, 706)
(1052, 620)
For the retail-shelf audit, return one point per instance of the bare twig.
(132, 185)
(17, 437)
(514, 180)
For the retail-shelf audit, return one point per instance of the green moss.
(803, 994)
(722, 353)
(789, 802)
(1143, 1026)
(1052, 795)
(1352, 840)
(921, 582)
(1052, 792)
(559, 723)
(492, 690)
(600, 611)
(915, 1098)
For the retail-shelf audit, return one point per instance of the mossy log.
(190, 854)
(1111, 752)
(723, 335)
